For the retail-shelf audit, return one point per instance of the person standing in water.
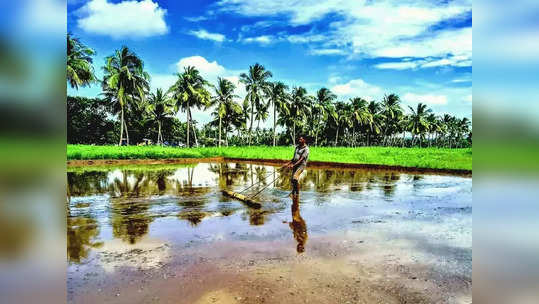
(298, 163)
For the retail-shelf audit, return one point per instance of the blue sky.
(421, 50)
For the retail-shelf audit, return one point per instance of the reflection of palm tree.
(194, 217)
(130, 220)
(389, 183)
(81, 231)
(298, 226)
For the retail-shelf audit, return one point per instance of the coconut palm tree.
(433, 127)
(298, 109)
(224, 96)
(279, 99)
(374, 125)
(80, 71)
(190, 90)
(463, 128)
(160, 108)
(361, 115)
(125, 82)
(321, 107)
(391, 109)
(256, 85)
(418, 123)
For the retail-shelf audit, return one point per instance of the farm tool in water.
(250, 200)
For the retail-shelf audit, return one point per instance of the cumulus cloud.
(203, 34)
(209, 70)
(357, 87)
(426, 99)
(126, 19)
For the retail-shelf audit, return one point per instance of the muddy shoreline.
(262, 161)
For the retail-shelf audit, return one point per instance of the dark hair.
(304, 137)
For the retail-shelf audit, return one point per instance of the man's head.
(302, 141)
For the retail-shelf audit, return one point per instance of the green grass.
(435, 158)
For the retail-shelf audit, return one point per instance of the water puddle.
(137, 233)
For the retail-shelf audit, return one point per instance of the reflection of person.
(298, 163)
(298, 226)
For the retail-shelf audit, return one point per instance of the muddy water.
(166, 234)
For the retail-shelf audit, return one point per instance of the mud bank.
(270, 162)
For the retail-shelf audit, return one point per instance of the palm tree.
(342, 117)
(188, 91)
(391, 109)
(374, 125)
(433, 127)
(256, 85)
(323, 101)
(125, 82)
(160, 108)
(80, 71)
(361, 114)
(463, 127)
(224, 95)
(447, 122)
(418, 123)
(278, 98)
(298, 109)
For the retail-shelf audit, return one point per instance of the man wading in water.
(298, 163)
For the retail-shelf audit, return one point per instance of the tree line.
(127, 107)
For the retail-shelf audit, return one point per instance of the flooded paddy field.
(166, 234)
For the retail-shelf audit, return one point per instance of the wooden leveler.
(247, 200)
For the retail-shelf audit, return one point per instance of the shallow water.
(159, 220)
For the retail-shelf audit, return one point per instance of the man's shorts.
(296, 172)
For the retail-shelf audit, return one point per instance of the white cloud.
(44, 16)
(328, 52)
(126, 19)
(372, 28)
(357, 87)
(397, 65)
(196, 19)
(459, 61)
(209, 70)
(426, 99)
(264, 39)
(203, 34)
(468, 98)
(163, 81)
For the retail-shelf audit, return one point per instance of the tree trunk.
(251, 122)
(294, 134)
(126, 132)
(274, 121)
(159, 137)
(219, 130)
(188, 124)
(336, 137)
(121, 126)
(194, 129)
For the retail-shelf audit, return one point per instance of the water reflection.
(131, 198)
(130, 220)
(298, 226)
(81, 235)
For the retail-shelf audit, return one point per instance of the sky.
(420, 50)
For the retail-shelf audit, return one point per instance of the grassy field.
(435, 158)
